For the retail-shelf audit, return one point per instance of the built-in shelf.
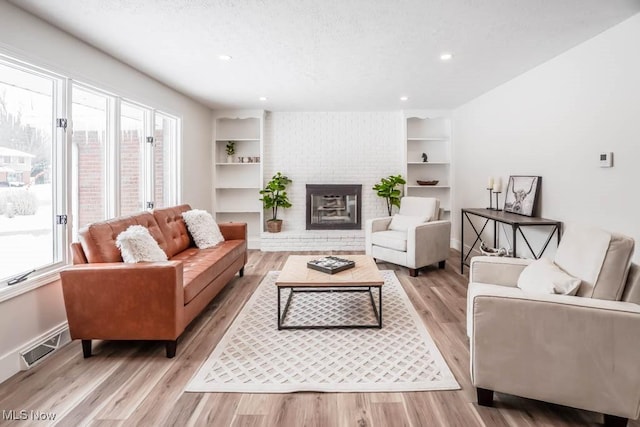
(428, 163)
(237, 184)
(429, 134)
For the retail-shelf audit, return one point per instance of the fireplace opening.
(334, 207)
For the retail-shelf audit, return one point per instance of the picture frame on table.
(521, 195)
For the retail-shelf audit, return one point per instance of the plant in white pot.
(274, 196)
(231, 150)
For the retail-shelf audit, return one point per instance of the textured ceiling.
(328, 55)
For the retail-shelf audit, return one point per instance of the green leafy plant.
(231, 148)
(274, 195)
(386, 189)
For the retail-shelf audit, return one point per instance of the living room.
(573, 96)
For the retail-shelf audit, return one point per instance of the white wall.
(332, 148)
(554, 121)
(30, 315)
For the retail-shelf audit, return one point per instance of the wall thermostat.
(606, 160)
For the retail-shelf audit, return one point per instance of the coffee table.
(297, 277)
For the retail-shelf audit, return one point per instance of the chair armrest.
(372, 226)
(573, 351)
(497, 270)
(428, 243)
(233, 230)
(124, 301)
(378, 224)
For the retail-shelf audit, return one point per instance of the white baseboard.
(11, 363)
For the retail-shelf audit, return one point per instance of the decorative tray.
(432, 182)
(331, 264)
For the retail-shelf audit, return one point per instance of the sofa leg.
(171, 347)
(241, 272)
(86, 348)
(485, 397)
(614, 421)
(441, 264)
(413, 272)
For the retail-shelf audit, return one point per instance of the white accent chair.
(414, 238)
(581, 351)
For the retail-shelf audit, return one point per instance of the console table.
(517, 222)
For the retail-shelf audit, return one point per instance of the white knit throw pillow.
(203, 228)
(136, 244)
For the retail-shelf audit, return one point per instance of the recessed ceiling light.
(263, 98)
(225, 57)
(446, 56)
(404, 98)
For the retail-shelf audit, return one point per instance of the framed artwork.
(521, 194)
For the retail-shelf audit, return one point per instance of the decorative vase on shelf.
(229, 159)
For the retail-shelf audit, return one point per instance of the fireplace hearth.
(334, 206)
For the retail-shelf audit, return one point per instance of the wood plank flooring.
(132, 383)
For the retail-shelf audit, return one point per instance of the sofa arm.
(233, 230)
(497, 270)
(124, 301)
(428, 243)
(573, 351)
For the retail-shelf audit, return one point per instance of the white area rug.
(254, 357)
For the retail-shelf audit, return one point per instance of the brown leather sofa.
(108, 299)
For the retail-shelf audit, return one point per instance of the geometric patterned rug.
(254, 357)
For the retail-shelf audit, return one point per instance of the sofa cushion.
(396, 240)
(137, 245)
(202, 266)
(543, 276)
(98, 240)
(173, 228)
(203, 228)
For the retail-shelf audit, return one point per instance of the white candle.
(497, 186)
(490, 182)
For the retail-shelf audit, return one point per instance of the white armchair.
(580, 351)
(414, 238)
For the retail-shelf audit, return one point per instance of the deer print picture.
(521, 194)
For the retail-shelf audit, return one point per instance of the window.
(90, 113)
(165, 160)
(123, 158)
(30, 191)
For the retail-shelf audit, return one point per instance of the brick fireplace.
(334, 206)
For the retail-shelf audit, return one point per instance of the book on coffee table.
(330, 264)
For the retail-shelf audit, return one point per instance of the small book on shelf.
(331, 264)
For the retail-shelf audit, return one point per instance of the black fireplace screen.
(333, 207)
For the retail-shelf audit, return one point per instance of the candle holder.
(490, 198)
(497, 193)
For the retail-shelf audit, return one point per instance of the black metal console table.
(514, 220)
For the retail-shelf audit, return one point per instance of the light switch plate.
(606, 160)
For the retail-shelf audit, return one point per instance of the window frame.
(60, 137)
(62, 166)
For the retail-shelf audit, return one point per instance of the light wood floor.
(132, 383)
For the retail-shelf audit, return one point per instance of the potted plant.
(274, 196)
(231, 150)
(386, 189)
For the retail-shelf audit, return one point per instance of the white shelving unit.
(429, 133)
(237, 185)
